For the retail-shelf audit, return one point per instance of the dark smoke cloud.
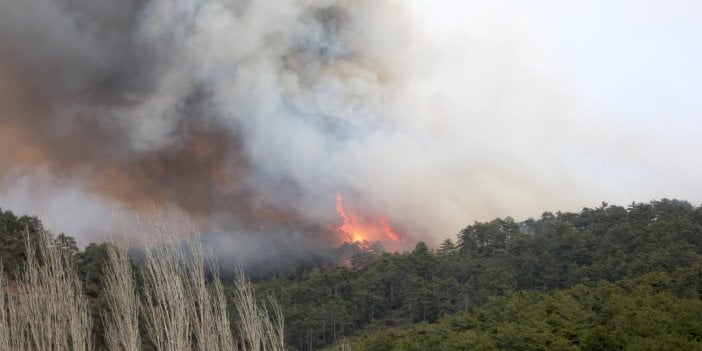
(207, 107)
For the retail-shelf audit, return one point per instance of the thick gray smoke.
(252, 115)
(243, 114)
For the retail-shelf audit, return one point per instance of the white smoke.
(63, 205)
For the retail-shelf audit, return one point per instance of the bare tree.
(121, 319)
(48, 309)
(207, 303)
(183, 301)
(164, 301)
(4, 325)
(183, 311)
(258, 330)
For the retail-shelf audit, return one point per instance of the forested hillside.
(657, 311)
(605, 276)
(487, 260)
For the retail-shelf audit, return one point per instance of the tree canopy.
(609, 277)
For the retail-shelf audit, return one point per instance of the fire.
(360, 229)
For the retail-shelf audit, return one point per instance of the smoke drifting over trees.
(228, 109)
(252, 116)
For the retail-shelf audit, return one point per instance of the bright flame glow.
(359, 229)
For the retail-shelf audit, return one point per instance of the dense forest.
(487, 260)
(603, 278)
(657, 311)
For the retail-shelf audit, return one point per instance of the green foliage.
(504, 284)
(640, 314)
(446, 249)
(90, 264)
(493, 259)
(13, 230)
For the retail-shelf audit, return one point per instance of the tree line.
(484, 261)
(55, 297)
(497, 263)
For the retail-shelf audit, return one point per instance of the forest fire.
(362, 229)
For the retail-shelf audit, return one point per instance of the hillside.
(487, 260)
(657, 311)
(564, 279)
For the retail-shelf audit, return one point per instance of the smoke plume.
(251, 116)
(241, 114)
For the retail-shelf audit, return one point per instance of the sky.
(632, 55)
(634, 66)
(424, 115)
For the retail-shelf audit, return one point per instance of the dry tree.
(182, 310)
(121, 319)
(47, 309)
(258, 329)
(187, 309)
(4, 326)
(164, 297)
(206, 302)
(219, 311)
(183, 300)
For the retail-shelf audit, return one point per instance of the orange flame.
(359, 229)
